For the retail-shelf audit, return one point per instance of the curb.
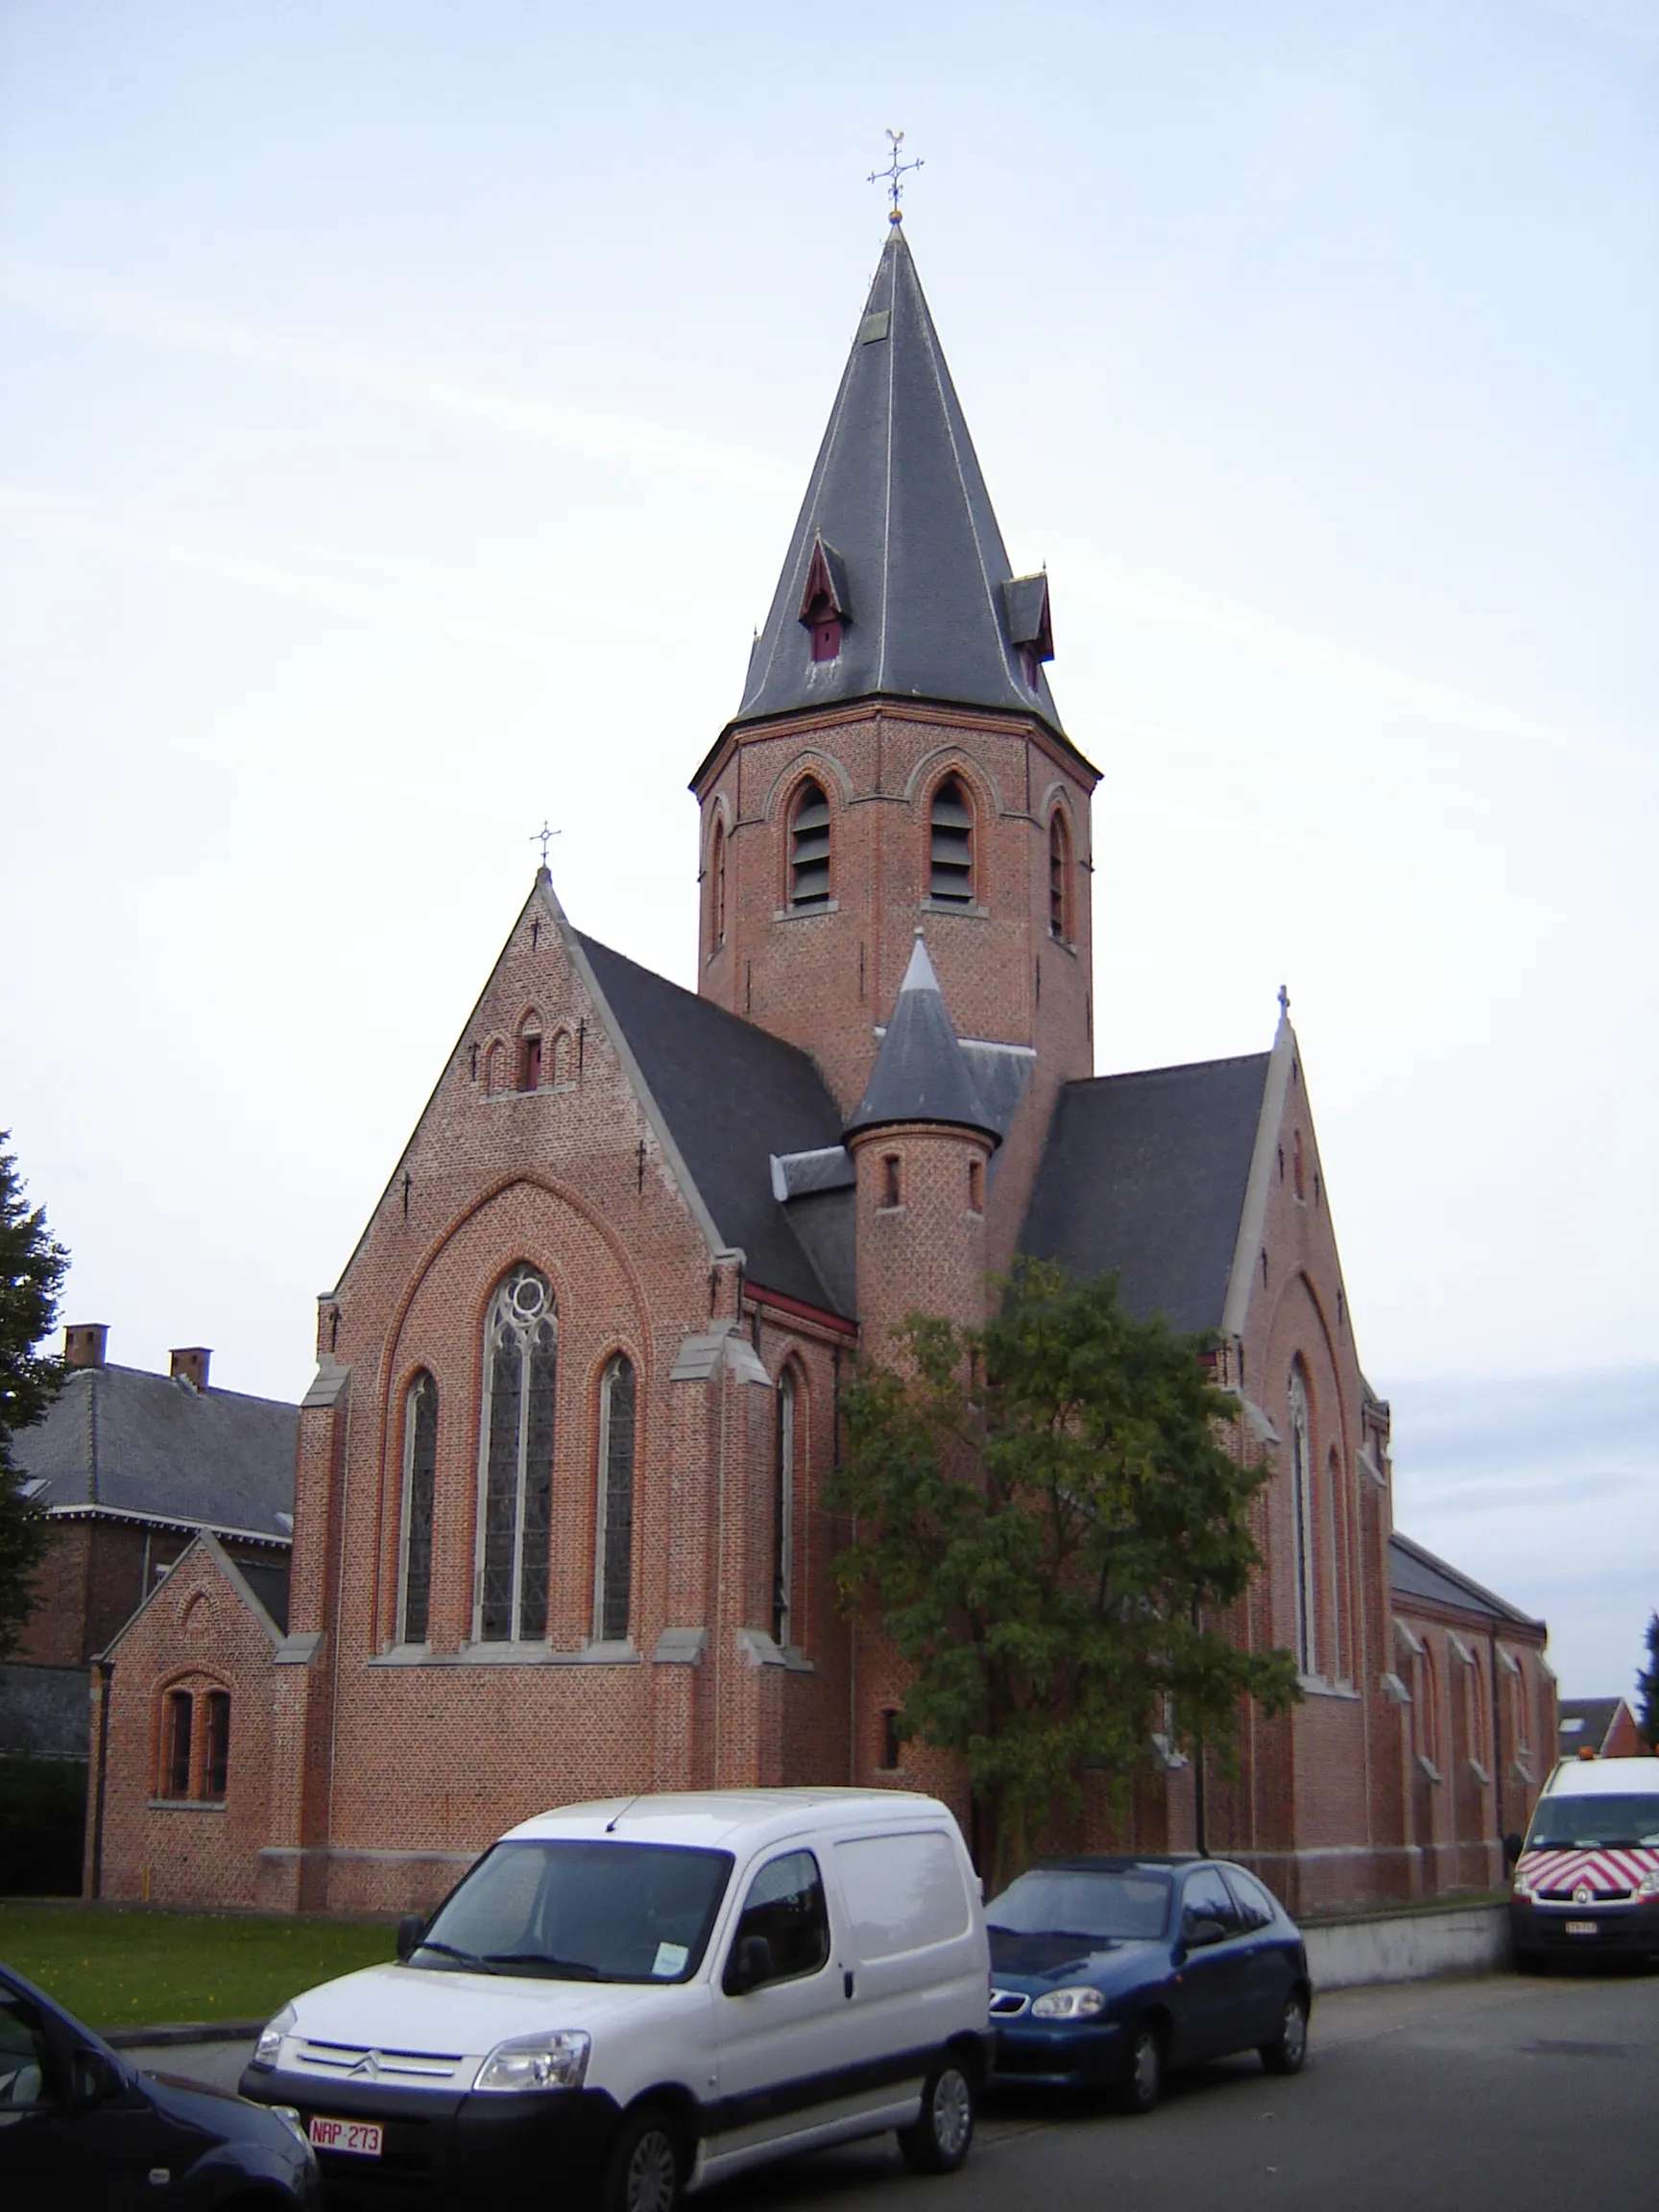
(183, 2031)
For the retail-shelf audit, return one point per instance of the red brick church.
(559, 1520)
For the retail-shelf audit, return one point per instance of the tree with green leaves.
(1648, 1690)
(1049, 1523)
(32, 1269)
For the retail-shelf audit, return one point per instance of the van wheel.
(642, 2172)
(1140, 2084)
(941, 2138)
(1289, 2049)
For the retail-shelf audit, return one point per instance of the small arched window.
(717, 886)
(783, 1515)
(516, 1480)
(420, 1477)
(216, 1760)
(614, 1547)
(951, 844)
(1059, 877)
(178, 1717)
(1298, 1167)
(1302, 1510)
(809, 847)
(530, 1053)
(1427, 1703)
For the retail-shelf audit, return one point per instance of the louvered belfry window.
(951, 844)
(521, 1356)
(809, 847)
(614, 1565)
(1059, 879)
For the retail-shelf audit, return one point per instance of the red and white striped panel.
(1598, 1871)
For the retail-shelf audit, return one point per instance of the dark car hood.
(219, 2114)
(1036, 1962)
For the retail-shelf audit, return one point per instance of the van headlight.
(1069, 2004)
(1521, 1887)
(1649, 1886)
(269, 2048)
(557, 2060)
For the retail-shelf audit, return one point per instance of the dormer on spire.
(1030, 630)
(824, 609)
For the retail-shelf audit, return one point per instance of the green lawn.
(119, 1968)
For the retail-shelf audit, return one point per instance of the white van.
(623, 2000)
(1587, 1876)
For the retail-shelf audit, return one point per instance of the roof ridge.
(1172, 1068)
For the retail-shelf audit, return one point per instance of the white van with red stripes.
(1587, 1877)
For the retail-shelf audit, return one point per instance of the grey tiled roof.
(897, 502)
(133, 1442)
(732, 1095)
(1145, 1174)
(921, 1073)
(1416, 1572)
(1594, 1717)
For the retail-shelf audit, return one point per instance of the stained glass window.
(521, 1347)
(420, 1473)
(614, 1565)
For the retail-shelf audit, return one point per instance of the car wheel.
(642, 2173)
(941, 2138)
(1289, 2049)
(1140, 2084)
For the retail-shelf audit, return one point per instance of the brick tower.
(898, 760)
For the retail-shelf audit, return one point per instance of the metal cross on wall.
(894, 172)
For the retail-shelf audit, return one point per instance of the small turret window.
(1059, 879)
(809, 847)
(717, 886)
(950, 834)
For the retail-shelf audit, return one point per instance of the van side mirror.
(410, 1930)
(749, 1966)
(1511, 1848)
(93, 2079)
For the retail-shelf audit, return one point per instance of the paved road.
(1499, 2095)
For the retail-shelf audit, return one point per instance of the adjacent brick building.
(559, 1526)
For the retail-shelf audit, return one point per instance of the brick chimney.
(190, 1365)
(85, 1345)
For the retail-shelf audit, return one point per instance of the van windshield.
(1589, 1823)
(580, 1911)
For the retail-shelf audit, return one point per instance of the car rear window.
(901, 1892)
(1103, 1902)
(558, 1910)
(1595, 1821)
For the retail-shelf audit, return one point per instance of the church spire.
(921, 1073)
(896, 581)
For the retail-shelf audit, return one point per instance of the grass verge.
(115, 1968)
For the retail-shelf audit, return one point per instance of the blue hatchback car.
(1106, 1973)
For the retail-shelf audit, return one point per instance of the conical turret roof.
(897, 528)
(921, 1072)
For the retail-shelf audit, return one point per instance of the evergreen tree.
(1048, 1521)
(1648, 1690)
(31, 1270)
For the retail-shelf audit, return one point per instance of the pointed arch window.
(530, 1053)
(809, 847)
(1302, 1510)
(1059, 877)
(783, 1515)
(614, 1545)
(176, 1729)
(951, 844)
(420, 1475)
(718, 887)
(516, 1477)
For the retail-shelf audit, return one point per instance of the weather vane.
(894, 172)
(544, 837)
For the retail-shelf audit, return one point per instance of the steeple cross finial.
(1285, 1001)
(894, 171)
(544, 837)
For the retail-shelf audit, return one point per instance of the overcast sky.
(403, 409)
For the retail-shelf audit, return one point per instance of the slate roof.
(732, 1095)
(921, 1073)
(132, 1441)
(1594, 1717)
(1416, 1572)
(1146, 1174)
(897, 501)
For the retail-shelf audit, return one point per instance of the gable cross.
(544, 837)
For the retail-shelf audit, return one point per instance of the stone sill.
(1316, 1686)
(185, 1804)
(508, 1655)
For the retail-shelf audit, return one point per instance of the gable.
(1146, 1175)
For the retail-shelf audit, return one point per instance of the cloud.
(49, 294)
